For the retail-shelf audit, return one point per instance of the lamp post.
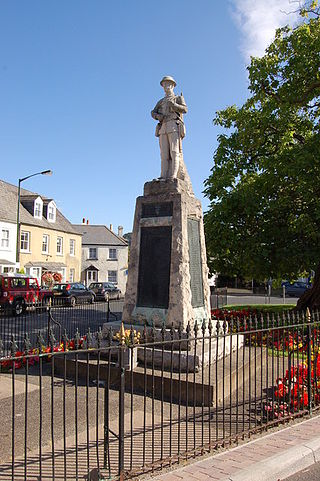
(43, 172)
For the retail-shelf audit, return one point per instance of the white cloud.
(258, 20)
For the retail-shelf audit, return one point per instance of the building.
(8, 241)
(48, 241)
(104, 255)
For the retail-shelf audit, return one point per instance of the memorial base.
(168, 275)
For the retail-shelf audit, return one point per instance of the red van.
(17, 292)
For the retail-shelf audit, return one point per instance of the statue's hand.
(171, 103)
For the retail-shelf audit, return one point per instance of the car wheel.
(73, 301)
(19, 307)
(91, 300)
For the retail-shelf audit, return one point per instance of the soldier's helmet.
(168, 79)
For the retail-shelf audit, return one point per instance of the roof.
(5, 262)
(50, 266)
(99, 235)
(8, 209)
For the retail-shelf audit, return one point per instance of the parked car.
(73, 293)
(18, 291)
(295, 289)
(105, 290)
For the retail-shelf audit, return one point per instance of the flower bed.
(32, 356)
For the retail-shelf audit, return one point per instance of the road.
(247, 300)
(241, 300)
(311, 474)
(81, 317)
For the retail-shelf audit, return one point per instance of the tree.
(264, 190)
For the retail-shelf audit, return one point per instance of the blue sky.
(79, 78)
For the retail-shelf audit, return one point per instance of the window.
(60, 245)
(113, 254)
(18, 282)
(36, 272)
(5, 239)
(45, 243)
(63, 273)
(93, 253)
(25, 241)
(71, 276)
(7, 270)
(51, 211)
(72, 247)
(33, 284)
(37, 210)
(112, 277)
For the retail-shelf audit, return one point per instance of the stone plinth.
(168, 274)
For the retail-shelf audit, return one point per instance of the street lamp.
(43, 172)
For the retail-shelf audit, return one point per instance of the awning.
(91, 268)
(5, 262)
(50, 266)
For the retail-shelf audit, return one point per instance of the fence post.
(121, 402)
(108, 310)
(308, 318)
(49, 321)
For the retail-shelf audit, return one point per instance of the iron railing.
(58, 316)
(116, 405)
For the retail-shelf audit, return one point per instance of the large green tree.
(264, 189)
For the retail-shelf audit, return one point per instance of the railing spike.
(26, 343)
(13, 346)
(99, 337)
(77, 339)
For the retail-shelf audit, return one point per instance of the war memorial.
(168, 274)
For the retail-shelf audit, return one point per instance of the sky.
(79, 78)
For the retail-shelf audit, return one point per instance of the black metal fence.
(56, 316)
(219, 298)
(117, 406)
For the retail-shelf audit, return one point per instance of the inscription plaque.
(159, 209)
(195, 265)
(154, 267)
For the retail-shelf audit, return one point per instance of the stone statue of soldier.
(170, 128)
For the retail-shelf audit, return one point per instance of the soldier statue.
(170, 128)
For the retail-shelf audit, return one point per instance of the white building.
(8, 242)
(104, 255)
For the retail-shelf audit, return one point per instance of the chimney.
(111, 227)
(83, 220)
(87, 221)
(120, 230)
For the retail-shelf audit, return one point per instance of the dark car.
(73, 293)
(105, 290)
(295, 289)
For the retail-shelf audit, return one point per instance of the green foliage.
(264, 189)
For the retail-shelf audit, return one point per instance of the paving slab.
(272, 457)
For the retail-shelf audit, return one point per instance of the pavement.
(272, 457)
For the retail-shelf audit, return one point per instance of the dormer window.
(51, 212)
(38, 207)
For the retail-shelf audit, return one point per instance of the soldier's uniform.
(170, 131)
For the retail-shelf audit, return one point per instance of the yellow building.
(48, 241)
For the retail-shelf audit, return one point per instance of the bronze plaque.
(159, 209)
(195, 265)
(154, 267)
